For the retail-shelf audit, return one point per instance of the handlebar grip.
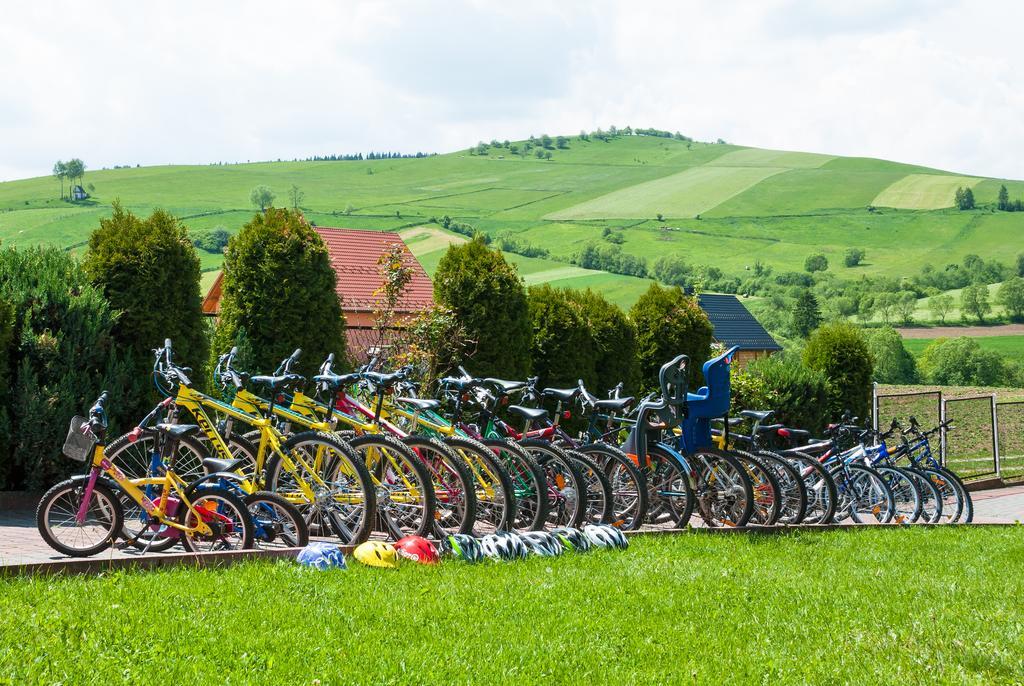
(234, 351)
(167, 343)
(134, 434)
(100, 405)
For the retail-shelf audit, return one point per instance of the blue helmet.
(321, 555)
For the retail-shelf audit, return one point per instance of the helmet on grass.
(504, 545)
(377, 554)
(321, 555)
(463, 546)
(605, 536)
(417, 549)
(542, 543)
(572, 539)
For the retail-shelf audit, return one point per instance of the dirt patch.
(957, 331)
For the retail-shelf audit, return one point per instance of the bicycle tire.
(73, 490)
(599, 489)
(266, 531)
(822, 497)
(794, 507)
(720, 502)
(241, 518)
(668, 483)
(455, 496)
(767, 491)
(966, 515)
(495, 498)
(931, 497)
(529, 483)
(905, 494)
(628, 484)
(565, 488)
(880, 496)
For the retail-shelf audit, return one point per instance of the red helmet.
(417, 549)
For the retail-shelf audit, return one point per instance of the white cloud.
(929, 82)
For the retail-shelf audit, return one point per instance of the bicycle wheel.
(931, 497)
(864, 496)
(57, 517)
(949, 494)
(343, 497)
(454, 491)
(724, 493)
(628, 484)
(598, 489)
(224, 512)
(766, 489)
(495, 499)
(966, 515)
(276, 522)
(566, 492)
(905, 494)
(405, 492)
(140, 459)
(794, 493)
(529, 484)
(671, 493)
(819, 486)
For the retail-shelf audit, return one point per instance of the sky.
(932, 82)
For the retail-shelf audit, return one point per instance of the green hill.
(721, 205)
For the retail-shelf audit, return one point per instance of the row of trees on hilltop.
(71, 171)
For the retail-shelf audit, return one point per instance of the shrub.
(211, 241)
(797, 393)
(668, 322)
(853, 257)
(816, 263)
(279, 294)
(962, 362)
(564, 348)
(61, 353)
(893, 364)
(148, 270)
(841, 353)
(489, 299)
(615, 339)
(1011, 297)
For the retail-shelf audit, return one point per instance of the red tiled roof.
(211, 303)
(354, 254)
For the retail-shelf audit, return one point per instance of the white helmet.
(572, 539)
(504, 545)
(605, 536)
(542, 543)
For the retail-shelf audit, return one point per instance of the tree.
(962, 362)
(295, 196)
(964, 198)
(149, 271)
(669, 322)
(261, 197)
(433, 343)
(806, 314)
(615, 337)
(974, 301)
(75, 170)
(1020, 264)
(1003, 203)
(279, 294)
(816, 263)
(672, 270)
(893, 364)
(797, 393)
(212, 241)
(1011, 297)
(489, 299)
(940, 306)
(841, 353)
(60, 172)
(906, 303)
(396, 271)
(564, 349)
(853, 257)
(885, 305)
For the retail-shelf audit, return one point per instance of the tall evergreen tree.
(669, 322)
(1003, 202)
(279, 294)
(489, 299)
(806, 314)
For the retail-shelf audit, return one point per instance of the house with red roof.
(354, 254)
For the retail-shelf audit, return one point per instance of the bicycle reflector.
(784, 433)
(567, 415)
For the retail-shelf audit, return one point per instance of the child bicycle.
(83, 515)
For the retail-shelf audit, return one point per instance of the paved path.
(20, 542)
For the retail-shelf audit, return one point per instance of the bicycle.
(82, 516)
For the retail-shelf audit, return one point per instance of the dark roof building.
(734, 325)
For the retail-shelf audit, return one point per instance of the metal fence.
(971, 447)
(1010, 439)
(987, 437)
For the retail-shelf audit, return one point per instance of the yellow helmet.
(377, 554)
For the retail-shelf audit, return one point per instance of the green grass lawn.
(754, 204)
(1010, 346)
(873, 606)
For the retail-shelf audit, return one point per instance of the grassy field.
(892, 606)
(1010, 346)
(754, 204)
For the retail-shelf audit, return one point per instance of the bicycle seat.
(177, 430)
(215, 464)
(505, 386)
(763, 428)
(757, 415)
(420, 403)
(534, 414)
(785, 432)
(383, 380)
(613, 404)
(274, 383)
(336, 380)
(458, 382)
(562, 394)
